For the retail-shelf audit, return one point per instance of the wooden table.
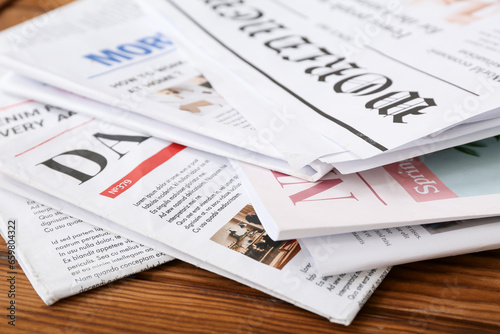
(452, 295)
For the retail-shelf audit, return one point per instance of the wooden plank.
(452, 295)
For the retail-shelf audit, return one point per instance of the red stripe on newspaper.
(142, 170)
(16, 105)
(418, 181)
(371, 189)
(45, 142)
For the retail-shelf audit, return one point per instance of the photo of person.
(244, 234)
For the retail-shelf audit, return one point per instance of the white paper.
(189, 201)
(458, 183)
(52, 275)
(121, 59)
(298, 150)
(362, 250)
(458, 135)
(64, 256)
(451, 40)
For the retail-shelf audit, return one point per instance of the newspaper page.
(384, 104)
(76, 256)
(457, 183)
(362, 250)
(189, 201)
(291, 273)
(455, 41)
(23, 86)
(110, 51)
(356, 35)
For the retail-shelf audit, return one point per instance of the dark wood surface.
(452, 295)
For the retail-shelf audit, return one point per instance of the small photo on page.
(435, 228)
(194, 95)
(244, 234)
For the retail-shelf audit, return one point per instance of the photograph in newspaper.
(457, 183)
(362, 250)
(246, 235)
(175, 196)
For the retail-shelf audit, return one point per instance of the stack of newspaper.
(260, 140)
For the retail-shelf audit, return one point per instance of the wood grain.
(16, 11)
(452, 295)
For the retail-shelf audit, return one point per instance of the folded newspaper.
(150, 75)
(121, 59)
(63, 256)
(22, 86)
(282, 53)
(425, 35)
(183, 202)
(363, 250)
(454, 184)
(461, 134)
(454, 41)
(76, 256)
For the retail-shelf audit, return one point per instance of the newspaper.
(354, 39)
(76, 256)
(452, 40)
(186, 203)
(457, 183)
(23, 86)
(385, 104)
(115, 55)
(362, 250)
